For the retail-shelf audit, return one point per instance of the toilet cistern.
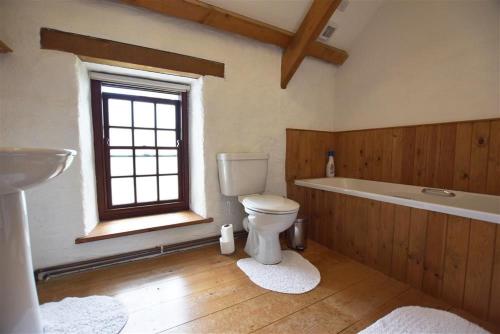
(244, 175)
(20, 169)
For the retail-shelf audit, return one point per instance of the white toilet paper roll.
(226, 232)
(226, 247)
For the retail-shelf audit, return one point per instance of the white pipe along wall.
(44, 103)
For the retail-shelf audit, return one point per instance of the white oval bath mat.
(417, 320)
(89, 315)
(293, 274)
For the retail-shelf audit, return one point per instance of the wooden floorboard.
(201, 291)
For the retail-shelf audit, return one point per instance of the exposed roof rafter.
(4, 48)
(224, 20)
(310, 28)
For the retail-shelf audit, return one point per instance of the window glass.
(139, 151)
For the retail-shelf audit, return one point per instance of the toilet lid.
(270, 204)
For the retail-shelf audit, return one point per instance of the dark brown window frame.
(101, 151)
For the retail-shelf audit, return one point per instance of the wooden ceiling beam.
(317, 17)
(127, 55)
(218, 18)
(4, 48)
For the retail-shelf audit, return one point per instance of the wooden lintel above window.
(218, 18)
(4, 48)
(87, 47)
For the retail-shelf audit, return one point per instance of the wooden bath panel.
(454, 258)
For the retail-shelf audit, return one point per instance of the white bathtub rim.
(430, 206)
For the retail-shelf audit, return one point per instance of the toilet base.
(264, 247)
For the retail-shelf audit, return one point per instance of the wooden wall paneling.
(373, 233)
(416, 247)
(341, 155)
(403, 150)
(306, 153)
(386, 241)
(292, 154)
(321, 218)
(455, 262)
(479, 268)
(322, 142)
(330, 222)
(313, 215)
(400, 244)
(371, 165)
(303, 169)
(359, 227)
(434, 253)
(446, 156)
(338, 209)
(359, 149)
(301, 196)
(447, 256)
(461, 168)
(426, 147)
(397, 149)
(387, 155)
(493, 178)
(408, 157)
(479, 156)
(494, 312)
(349, 221)
(348, 152)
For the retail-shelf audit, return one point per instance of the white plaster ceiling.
(288, 14)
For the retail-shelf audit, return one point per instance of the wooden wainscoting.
(449, 257)
(459, 156)
(453, 258)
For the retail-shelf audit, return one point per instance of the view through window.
(141, 161)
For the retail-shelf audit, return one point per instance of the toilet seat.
(270, 204)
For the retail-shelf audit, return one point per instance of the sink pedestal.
(20, 169)
(19, 308)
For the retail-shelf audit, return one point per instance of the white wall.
(422, 62)
(44, 102)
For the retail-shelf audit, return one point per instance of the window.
(141, 156)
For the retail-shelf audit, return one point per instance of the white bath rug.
(89, 315)
(417, 320)
(293, 274)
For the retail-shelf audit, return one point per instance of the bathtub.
(458, 203)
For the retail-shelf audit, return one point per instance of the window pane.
(122, 190)
(166, 138)
(120, 137)
(165, 116)
(144, 115)
(145, 162)
(121, 162)
(119, 112)
(144, 138)
(169, 187)
(146, 189)
(167, 161)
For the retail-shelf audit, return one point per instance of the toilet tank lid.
(242, 156)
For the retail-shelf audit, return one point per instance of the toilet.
(244, 175)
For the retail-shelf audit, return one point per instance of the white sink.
(21, 168)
